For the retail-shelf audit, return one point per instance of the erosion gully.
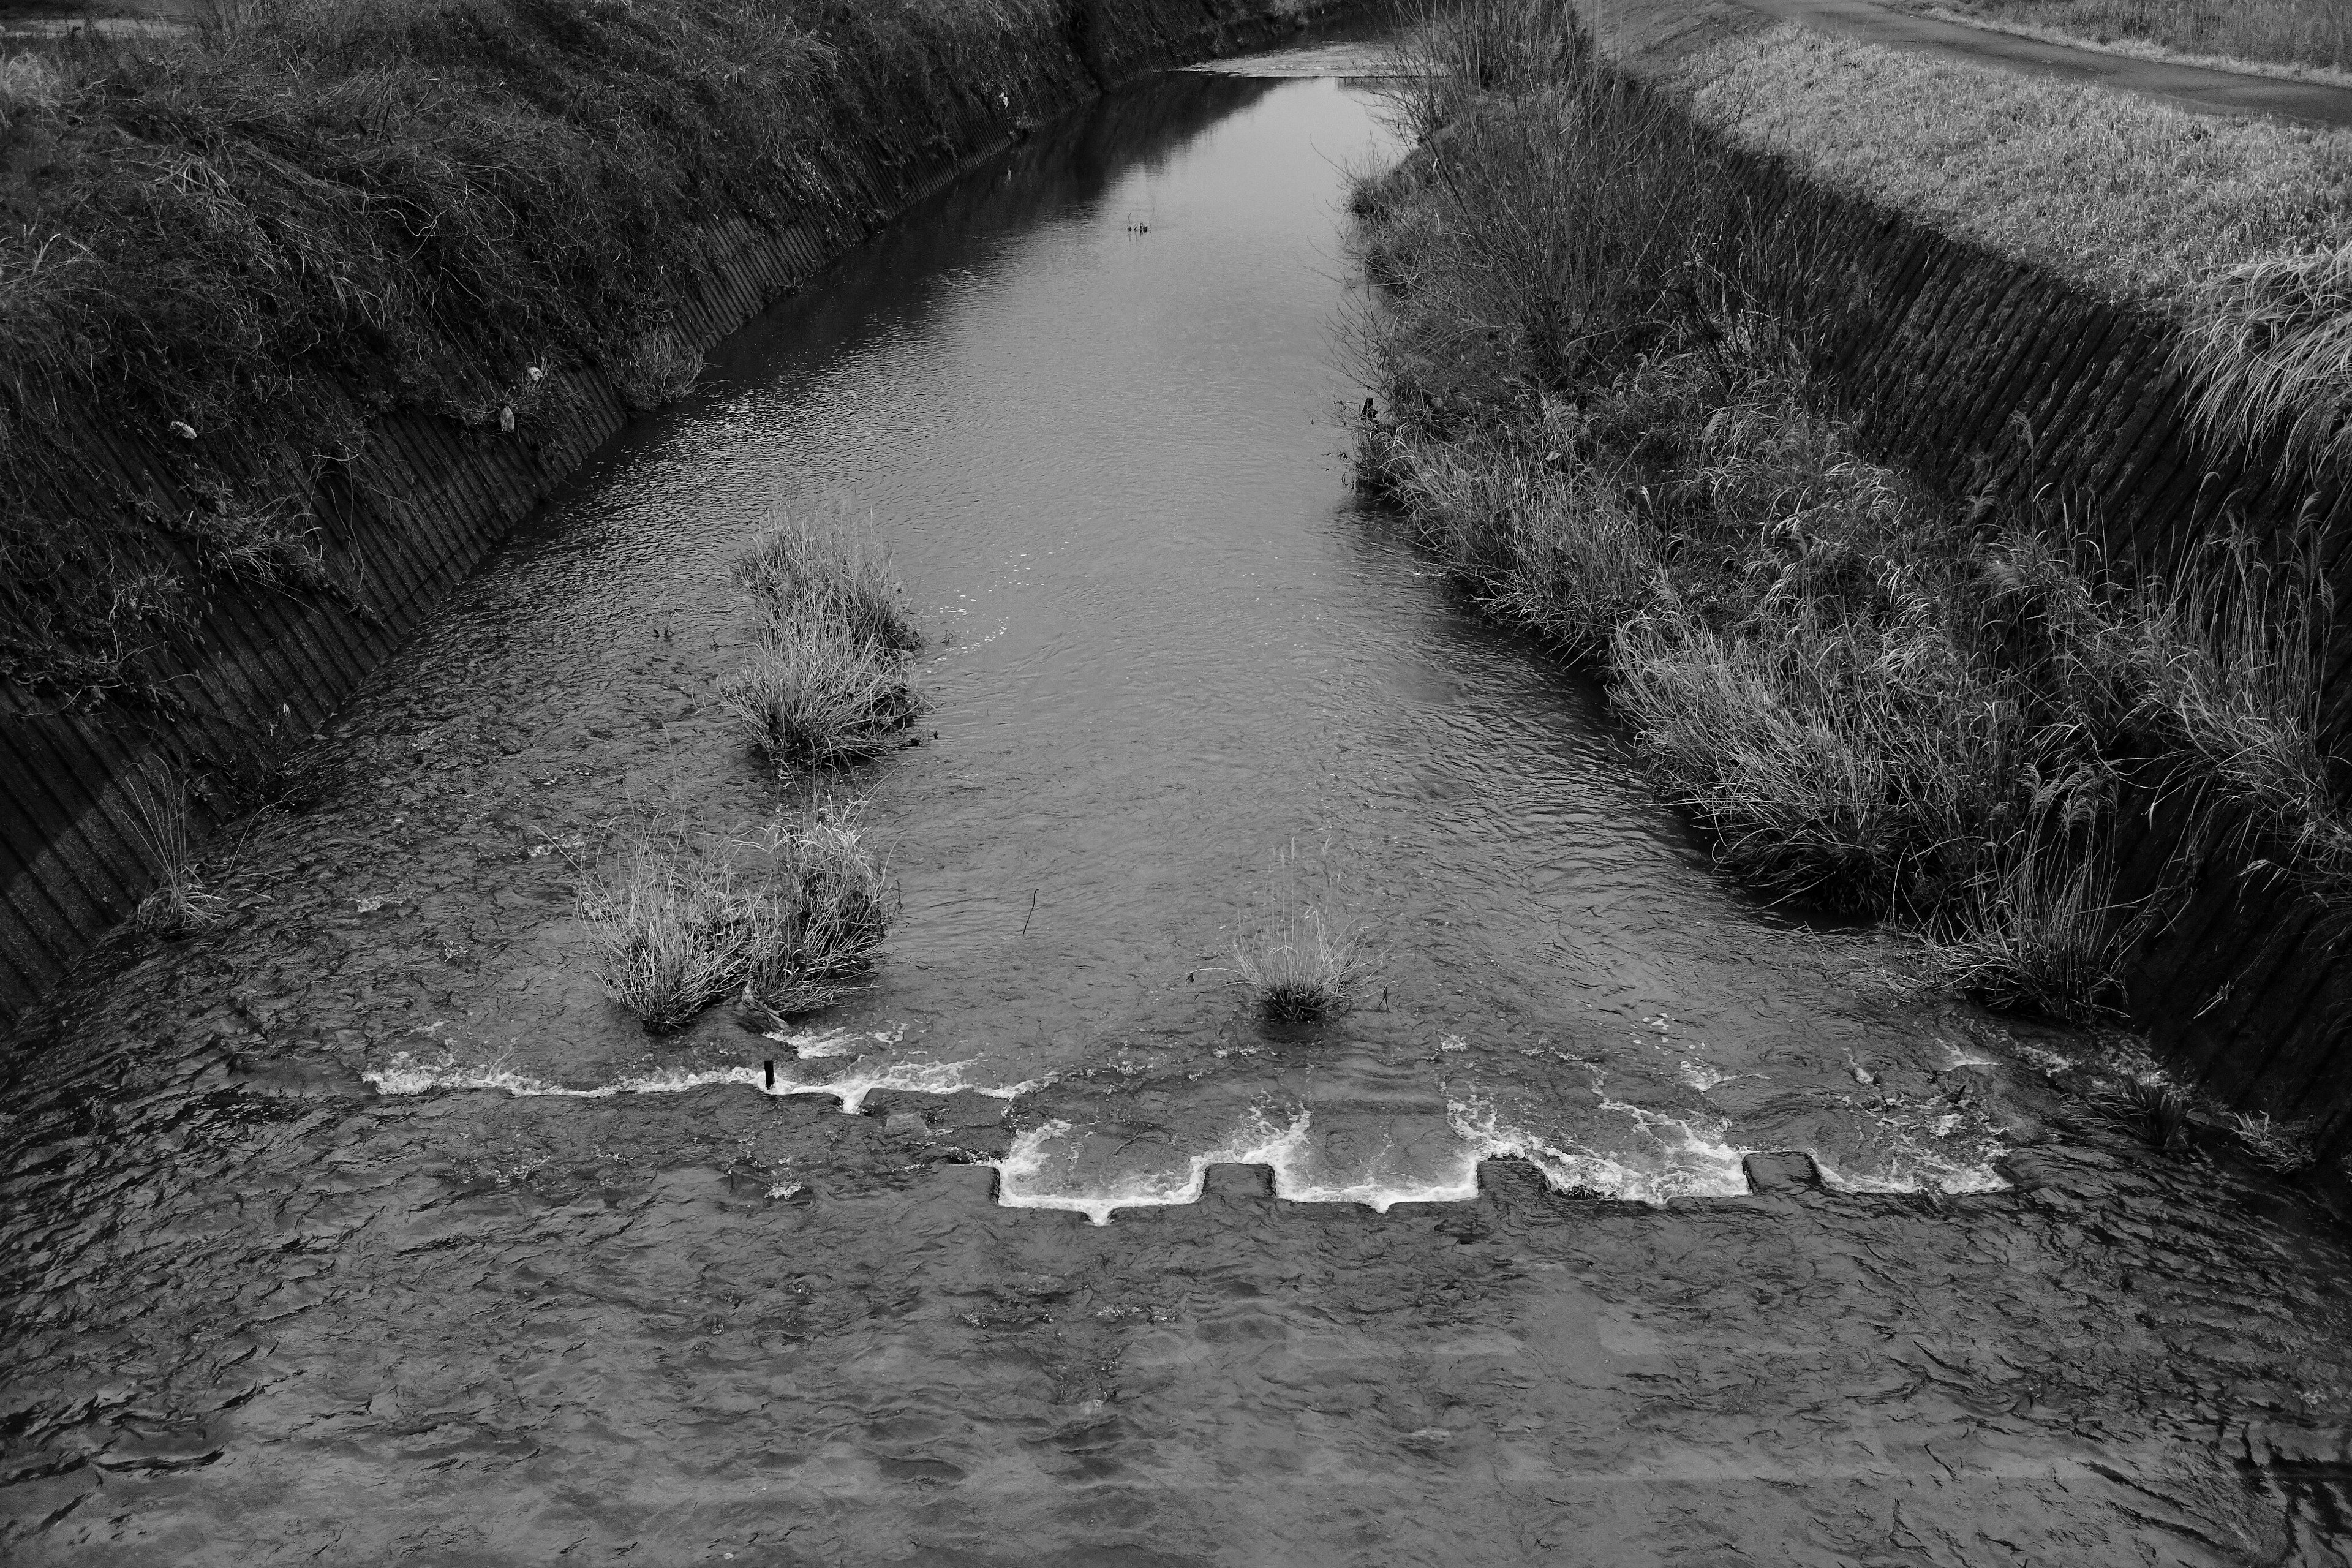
(365, 1228)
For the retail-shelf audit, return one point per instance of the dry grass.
(238, 245)
(2039, 930)
(2290, 32)
(659, 368)
(1301, 958)
(833, 683)
(2123, 191)
(2268, 347)
(825, 561)
(816, 697)
(1877, 700)
(817, 938)
(669, 919)
(2150, 1109)
(163, 822)
(681, 924)
(2286, 1147)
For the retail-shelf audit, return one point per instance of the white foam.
(1284, 1148)
(1692, 1165)
(404, 1077)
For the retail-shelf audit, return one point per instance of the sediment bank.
(196, 585)
(1917, 439)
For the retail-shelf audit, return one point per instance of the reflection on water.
(372, 1210)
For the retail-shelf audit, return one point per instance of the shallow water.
(368, 1227)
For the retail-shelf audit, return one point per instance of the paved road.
(2195, 87)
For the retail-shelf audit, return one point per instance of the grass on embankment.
(1877, 701)
(2307, 33)
(681, 924)
(217, 242)
(2128, 193)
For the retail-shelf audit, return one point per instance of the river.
(365, 1227)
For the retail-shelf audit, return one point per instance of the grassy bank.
(226, 253)
(1878, 700)
(2129, 194)
(2314, 33)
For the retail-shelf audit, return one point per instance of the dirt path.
(1679, 25)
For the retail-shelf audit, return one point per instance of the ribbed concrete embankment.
(1980, 371)
(430, 495)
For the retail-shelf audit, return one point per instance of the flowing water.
(367, 1227)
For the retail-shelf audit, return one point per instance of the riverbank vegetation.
(234, 247)
(2310, 33)
(789, 926)
(2129, 193)
(1877, 699)
(832, 680)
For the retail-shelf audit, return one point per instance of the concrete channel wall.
(430, 497)
(1979, 372)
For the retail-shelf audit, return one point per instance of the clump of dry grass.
(2127, 193)
(669, 921)
(2267, 346)
(815, 696)
(161, 820)
(1301, 959)
(659, 368)
(833, 682)
(825, 561)
(2039, 930)
(2155, 1112)
(817, 935)
(681, 924)
(2228, 658)
(2286, 1147)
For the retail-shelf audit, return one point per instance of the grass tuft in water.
(1301, 959)
(669, 920)
(2286, 1147)
(833, 683)
(821, 917)
(680, 925)
(825, 562)
(2150, 1109)
(815, 696)
(179, 902)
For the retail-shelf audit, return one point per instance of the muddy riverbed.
(366, 1228)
